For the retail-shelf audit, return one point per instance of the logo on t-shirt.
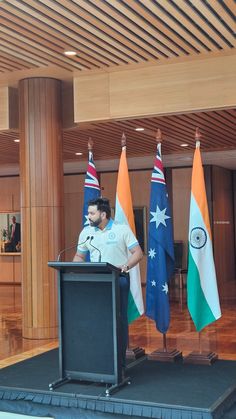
(111, 238)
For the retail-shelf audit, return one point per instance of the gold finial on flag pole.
(159, 136)
(123, 140)
(90, 144)
(198, 135)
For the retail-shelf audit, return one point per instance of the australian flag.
(160, 263)
(91, 187)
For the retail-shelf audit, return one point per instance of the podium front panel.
(89, 326)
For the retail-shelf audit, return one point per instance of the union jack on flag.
(91, 187)
(158, 174)
(160, 263)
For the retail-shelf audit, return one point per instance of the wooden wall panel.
(181, 181)
(10, 194)
(26, 242)
(108, 183)
(92, 97)
(9, 118)
(67, 105)
(4, 108)
(6, 204)
(74, 196)
(156, 90)
(223, 226)
(17, 269)
(7, 268)
(13, 108)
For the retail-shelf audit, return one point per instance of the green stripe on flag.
(133, 312)
(197, 304)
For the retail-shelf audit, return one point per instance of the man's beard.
(96, 222)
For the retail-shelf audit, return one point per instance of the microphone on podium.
(71, 247)
(100, 254)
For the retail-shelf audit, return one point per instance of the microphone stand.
(99, 251)
(71, 247)
(64, 250)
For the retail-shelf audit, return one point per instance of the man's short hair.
(102, 204)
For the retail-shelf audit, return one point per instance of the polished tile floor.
(220, 337)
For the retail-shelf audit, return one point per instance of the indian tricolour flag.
(202, 292)
(124, 215)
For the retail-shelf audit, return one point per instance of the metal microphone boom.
(71, 247)
(100, 254)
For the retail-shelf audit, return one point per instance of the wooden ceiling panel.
(215, 127)
(218, 129)
(111, 33)
(115, 34)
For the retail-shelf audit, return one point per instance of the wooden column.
(42, 215)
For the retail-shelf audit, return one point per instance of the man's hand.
(125, 268)
(79, 257)
(136, 256)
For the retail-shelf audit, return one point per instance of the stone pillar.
(42, 214)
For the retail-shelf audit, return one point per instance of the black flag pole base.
(135, 353)
(163, 355)
(203, 358)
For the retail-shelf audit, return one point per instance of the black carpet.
(159, 390)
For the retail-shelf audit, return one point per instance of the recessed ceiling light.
(70, 53)
(139, 129)
(16, 141)
(78, 154)
(184, 145)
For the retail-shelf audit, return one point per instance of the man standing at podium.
(108, 241)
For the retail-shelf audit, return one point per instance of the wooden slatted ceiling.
(111, 33)
(218, 129)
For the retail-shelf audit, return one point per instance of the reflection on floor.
(13, 348)
(220, 337)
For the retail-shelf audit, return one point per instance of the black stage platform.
(157, 390)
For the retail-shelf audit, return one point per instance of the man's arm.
(136, 256)
(79, 257)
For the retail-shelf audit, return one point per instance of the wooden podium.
(89, 323)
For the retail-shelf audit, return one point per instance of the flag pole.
(164, 342)
(90, 144)
(123, 140)
(199, 343)
(200, 356)
(163, 354)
